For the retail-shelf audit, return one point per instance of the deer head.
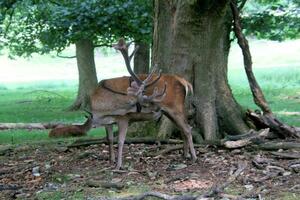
(138, 86)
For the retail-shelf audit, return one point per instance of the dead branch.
(30, 126)
(253, 140)
(246, 141)
(279, 145)
(286, 155)
(268, 119)
(145, 140)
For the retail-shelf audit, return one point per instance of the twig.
(145, 140)
(214, 191)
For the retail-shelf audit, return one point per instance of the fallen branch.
(269, 120)
(286, 155)
(255, 140)
(31, 126)
(279, 145)
(147, 140)
(246, 141)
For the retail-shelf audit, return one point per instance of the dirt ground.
(53, 171)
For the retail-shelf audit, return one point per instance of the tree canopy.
(272, 19)
(41, 26)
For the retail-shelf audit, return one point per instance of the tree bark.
(141, 58)
(87, 73)
(191, 39)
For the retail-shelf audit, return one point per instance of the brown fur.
(72, 130)
(110, 104)
(176, 91)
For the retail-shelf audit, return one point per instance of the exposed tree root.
(268, 120)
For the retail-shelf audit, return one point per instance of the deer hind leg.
(186, 129)
(185, 145)
(122, 125)
(110, 140)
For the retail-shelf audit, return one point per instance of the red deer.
(72, 130)
(139, 98)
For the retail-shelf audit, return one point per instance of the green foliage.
(41, 26)
(272, 19)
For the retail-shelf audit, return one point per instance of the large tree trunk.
(142, 58)
(87, 73)
(191, 38)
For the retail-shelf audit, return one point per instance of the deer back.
(111, 95)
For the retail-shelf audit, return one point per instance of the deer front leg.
(110, 140)
(122, 125)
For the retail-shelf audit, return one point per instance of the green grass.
(276, 66)
(47, 102)
(37, 136)
(31, 103)
(281, 87)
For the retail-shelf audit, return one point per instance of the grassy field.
(45, 102)
(46, 99)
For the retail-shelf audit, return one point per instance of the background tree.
(42, 26)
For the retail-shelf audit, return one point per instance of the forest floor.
(54, 171)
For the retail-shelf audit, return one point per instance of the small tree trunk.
(142, 58)
(87, 73)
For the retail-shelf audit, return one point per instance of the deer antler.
(156, 96)
(123, 48)
(137, 87)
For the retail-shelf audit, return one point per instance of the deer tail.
(187, 86)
